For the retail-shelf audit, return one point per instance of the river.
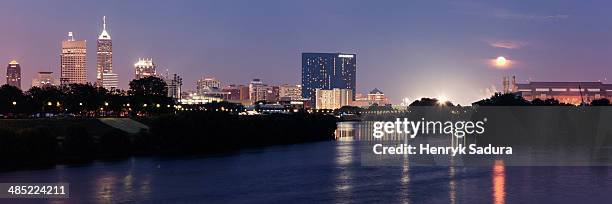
(315, 172)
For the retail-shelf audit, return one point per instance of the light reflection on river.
(316, 172)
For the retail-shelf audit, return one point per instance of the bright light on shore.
(442, 99)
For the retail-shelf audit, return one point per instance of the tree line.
(49, 142)
(145, 96)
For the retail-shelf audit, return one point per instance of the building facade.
(206, 84)
(73, 61)
(258, 91)
(144, 68)
(272, 93)
(44, 79)
(288, 92)
(104, 60)
(333, 99)
(373, 97)
(110, 81)
(13, 74)
(237, 92)
(328, 71)
(565, 92)
(174, 83)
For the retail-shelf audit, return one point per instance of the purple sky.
(405, 48)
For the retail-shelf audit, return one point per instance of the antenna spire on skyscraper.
(104, 35)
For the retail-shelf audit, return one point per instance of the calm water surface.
(316, 172)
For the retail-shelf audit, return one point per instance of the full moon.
(501, 61)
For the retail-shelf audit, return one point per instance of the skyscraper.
(73, 61)
(13, 74)
(327, 71)
(144, 68)
(104, 60)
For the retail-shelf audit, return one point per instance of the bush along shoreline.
(63, 141)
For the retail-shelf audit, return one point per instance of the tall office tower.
(327, 71)
(289, 92)
(104, 60)
(44, 79)
(206, 84)
(13, 74)
(333, 99)
(144, 68)
(258, 90)
(73, 60)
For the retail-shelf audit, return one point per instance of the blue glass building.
(327, 71)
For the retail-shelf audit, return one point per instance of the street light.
(105, 103)
(14, 103)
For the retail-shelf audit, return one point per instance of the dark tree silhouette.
(547, 102)
(349, 110)
(499, 99)
(12, 100)
(376, 107)
(600, 102)
(85, 97)
(148, 86)
(430, 102)
(40, 98)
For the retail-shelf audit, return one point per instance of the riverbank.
(28, 143)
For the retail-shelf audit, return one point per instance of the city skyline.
(403, 50)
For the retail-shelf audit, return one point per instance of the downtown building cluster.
(574, 93)
(73, 64)
(328, 82)
(328, 79)
(73, 67)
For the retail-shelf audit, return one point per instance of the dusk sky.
(405, 48)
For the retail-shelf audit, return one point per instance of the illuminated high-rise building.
(327, 71)
(73, 61)
(104, 60)
(13, 74)
(144, 68)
